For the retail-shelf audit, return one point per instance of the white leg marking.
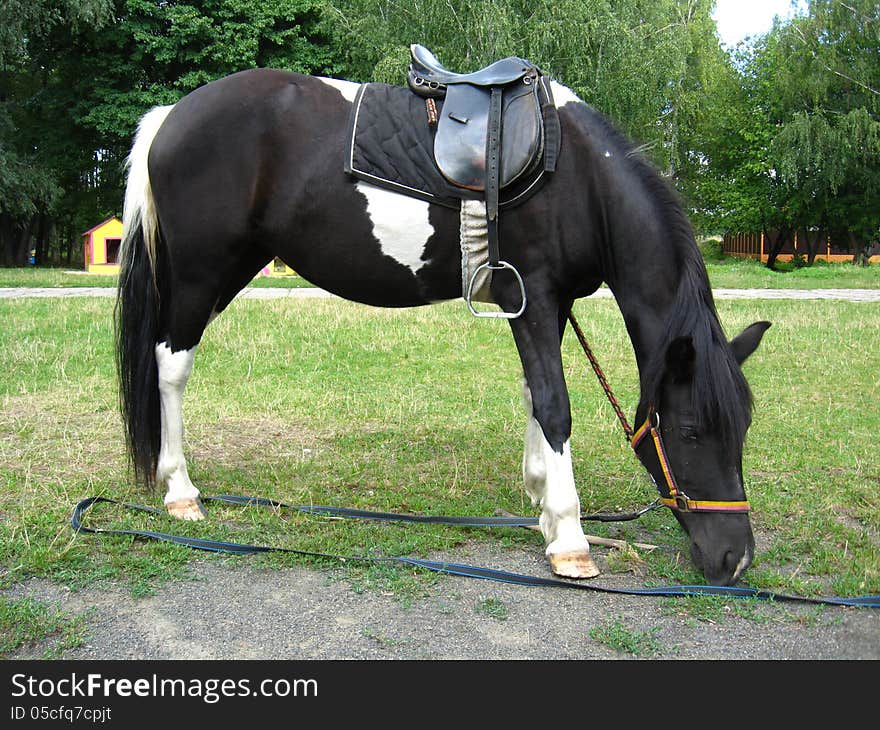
(560, 508)
(549, 481)
(348, 89)
(534, 468)
(400, 224)
(174, 371)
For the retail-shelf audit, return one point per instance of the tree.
(30, 186)
(797, 145)
(77, 82)
(829, 146)
(643, 64)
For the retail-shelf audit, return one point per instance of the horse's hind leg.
(547, 465)
(181, 496)
(186, 313)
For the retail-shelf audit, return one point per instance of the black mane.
(722, 400)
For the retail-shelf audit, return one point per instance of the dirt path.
(242, 612)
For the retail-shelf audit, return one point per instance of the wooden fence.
(757, 246)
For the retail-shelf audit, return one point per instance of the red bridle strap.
(675, 498)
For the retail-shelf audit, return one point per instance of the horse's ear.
(680, 358)
(747, 341)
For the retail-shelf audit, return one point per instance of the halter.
(674, 497)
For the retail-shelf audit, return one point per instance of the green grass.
(715, 609)
(620, 637)
(281, 282)
(733, 273)
(52, 277)
(329, 402)
(60, 277)
(25, 621)
(493, 608)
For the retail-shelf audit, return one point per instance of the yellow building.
(101, 247)
(277, 268)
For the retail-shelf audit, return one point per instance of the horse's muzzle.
(722, 546)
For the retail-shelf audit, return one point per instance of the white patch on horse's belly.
(400, 224)
(348, 89)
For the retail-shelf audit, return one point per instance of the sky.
(738, 18)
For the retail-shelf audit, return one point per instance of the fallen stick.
(619, 544)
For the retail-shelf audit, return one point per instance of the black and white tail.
(137, 308)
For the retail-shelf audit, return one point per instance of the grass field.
(55, 277)
(329, 402)
(747, 274)
(724, 273)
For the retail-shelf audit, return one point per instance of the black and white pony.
(250, 167)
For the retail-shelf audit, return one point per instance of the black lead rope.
(468, 571)
(363, 514)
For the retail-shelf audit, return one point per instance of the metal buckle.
(496, 315)
(681, 502)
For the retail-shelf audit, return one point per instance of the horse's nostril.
(730, 563)
(734, 564)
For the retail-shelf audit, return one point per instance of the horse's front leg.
(547, 466)
(181, 497)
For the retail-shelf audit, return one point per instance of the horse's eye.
(689, 433)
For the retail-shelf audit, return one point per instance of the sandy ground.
(239, 611)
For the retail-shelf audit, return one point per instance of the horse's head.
(695, 457)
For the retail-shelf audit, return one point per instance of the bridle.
(670, 495)
(675, 498)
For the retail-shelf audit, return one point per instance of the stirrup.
(492, 314)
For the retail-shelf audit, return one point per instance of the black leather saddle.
(491, 129)
(499, 73)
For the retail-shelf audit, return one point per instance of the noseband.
(674, 498)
